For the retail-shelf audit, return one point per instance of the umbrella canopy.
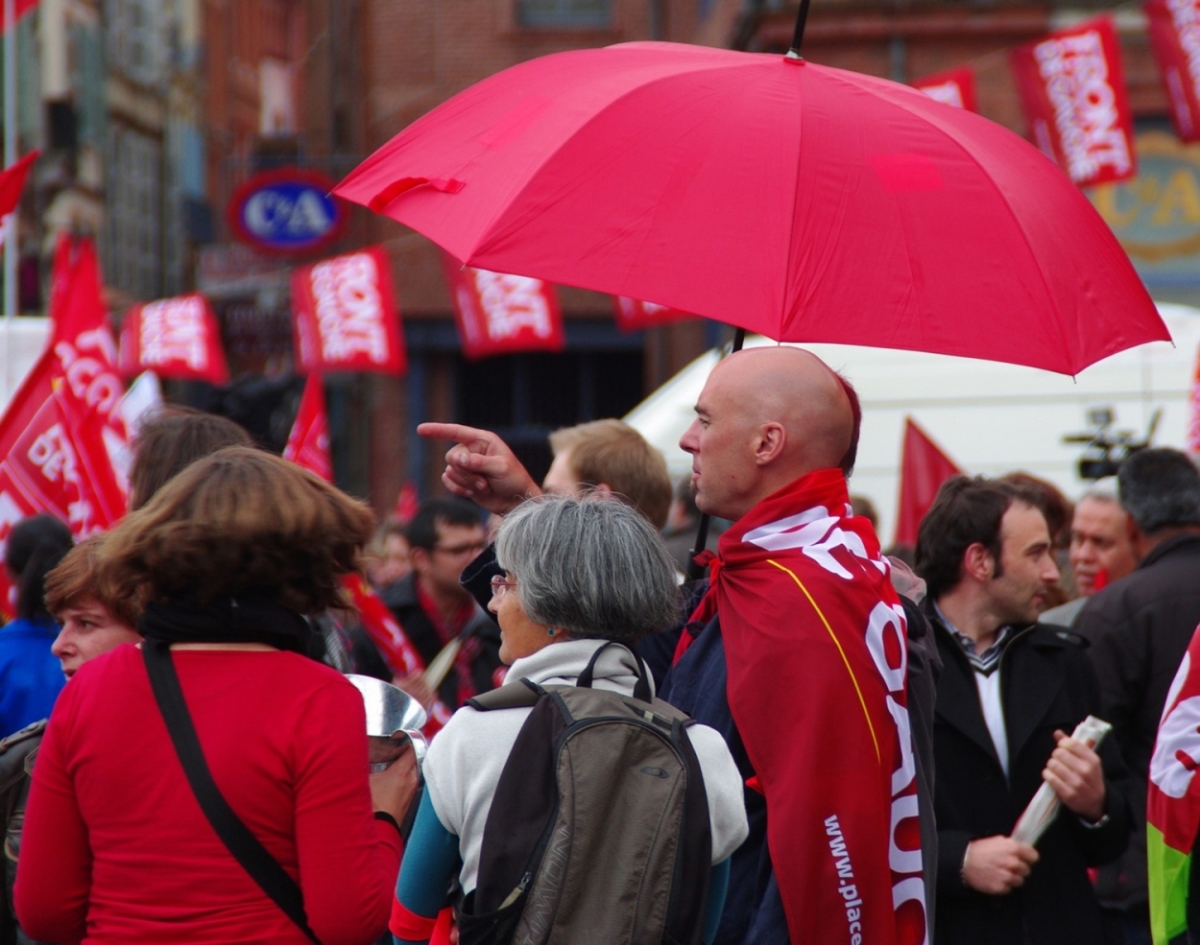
(803, 202)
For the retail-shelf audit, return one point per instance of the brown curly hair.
(77, 577)
(240, 522)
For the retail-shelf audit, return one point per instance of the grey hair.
(1160, 489)
(1102, 490)
(592, 566)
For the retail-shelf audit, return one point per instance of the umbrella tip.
(793, 56)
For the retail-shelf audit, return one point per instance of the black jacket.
(1139, 628)
(1046, 683)
(401, 598)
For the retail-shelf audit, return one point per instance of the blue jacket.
(30, 675)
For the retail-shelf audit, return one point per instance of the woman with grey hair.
(579, 576)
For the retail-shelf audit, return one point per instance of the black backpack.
(599, 830)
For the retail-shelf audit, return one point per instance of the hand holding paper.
(1073, 776)
(1075, 773)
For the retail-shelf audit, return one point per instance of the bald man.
(796, 654)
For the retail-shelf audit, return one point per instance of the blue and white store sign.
(287, 211)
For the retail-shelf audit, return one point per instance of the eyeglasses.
(457, 551)
(500, 586)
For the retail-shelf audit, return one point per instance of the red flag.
(177, 337)
(55, 458)
(346, 318)
(12, 182)
(84, 345)
(76, 302)
(500, 314)
(1072, 90)
(633, 315)
(407, 503)
(953, 87)
(1193, 427)
(1173, 802)
(20, 8)
(1175, 36)
(923, 468)
(308, 443)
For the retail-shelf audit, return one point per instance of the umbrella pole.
(798, 34)
(695, 571)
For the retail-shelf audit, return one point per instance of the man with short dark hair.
(1139, 628)
(434, 609)
(1010, 693)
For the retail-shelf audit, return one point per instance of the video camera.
(1107, 448)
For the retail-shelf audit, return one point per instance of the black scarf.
(226, 620)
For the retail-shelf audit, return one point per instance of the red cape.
(816, 647)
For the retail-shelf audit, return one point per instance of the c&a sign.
(1156, 215)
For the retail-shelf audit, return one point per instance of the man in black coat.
(1009, 695)
(1139, 628)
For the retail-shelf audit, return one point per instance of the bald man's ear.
(770, 443)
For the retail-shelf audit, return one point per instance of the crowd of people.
(815, 743)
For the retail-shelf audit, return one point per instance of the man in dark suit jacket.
(1010, 693)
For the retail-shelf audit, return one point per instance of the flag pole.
(10, 158)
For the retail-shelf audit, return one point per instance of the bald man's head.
(766, 417)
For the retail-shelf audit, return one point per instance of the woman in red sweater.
(117, 849)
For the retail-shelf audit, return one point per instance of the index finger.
(450, 431)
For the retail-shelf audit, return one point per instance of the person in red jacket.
(116, 848)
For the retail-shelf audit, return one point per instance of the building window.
(137, 38)
(524, 397)
(564, 13)
(133, 258)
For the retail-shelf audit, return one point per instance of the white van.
(987, 417)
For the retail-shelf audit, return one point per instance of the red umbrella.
(803, 202)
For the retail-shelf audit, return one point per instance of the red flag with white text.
(634, 315)
(178, 338)
(308, 443)
(54, 458)
(84, 345)
(346, 317)
(1072, 90)
(923, 469)
(1174, 27)
(953, 87)
(501, 314)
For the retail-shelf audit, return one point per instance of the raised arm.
(481, 467)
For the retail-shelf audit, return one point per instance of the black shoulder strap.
(523, 693)
(641, 689)
(263, 868)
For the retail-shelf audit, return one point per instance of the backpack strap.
(641, 690)
(263, 868)
(522, 694)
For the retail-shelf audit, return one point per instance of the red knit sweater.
(116, 848)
